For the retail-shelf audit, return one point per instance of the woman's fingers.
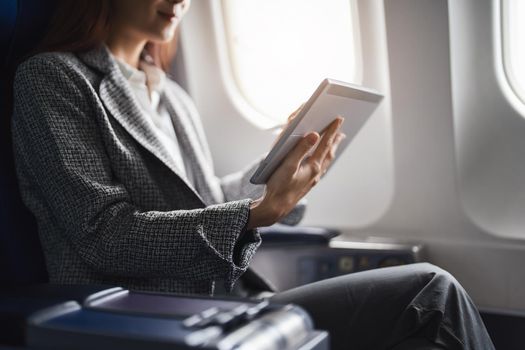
(331, 154)
(299, 152)
(316, 164)
(326, 142)
(283, 127)
(294, 114)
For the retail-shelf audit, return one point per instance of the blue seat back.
(22, 25)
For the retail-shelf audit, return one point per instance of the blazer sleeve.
(237, 185)
(59, 146)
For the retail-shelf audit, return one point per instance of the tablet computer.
(331, 99)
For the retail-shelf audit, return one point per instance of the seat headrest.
(22, 25)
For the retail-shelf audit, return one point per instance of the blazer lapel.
(117, 97)
(204, 176)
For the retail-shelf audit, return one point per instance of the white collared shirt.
(147, 85)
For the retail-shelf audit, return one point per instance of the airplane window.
(281, 50)
(514, 47)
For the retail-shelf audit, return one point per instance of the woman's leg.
(392, 307)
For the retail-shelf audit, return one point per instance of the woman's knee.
(432, 270)
(436, 278)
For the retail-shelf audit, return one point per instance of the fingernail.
(312, 139)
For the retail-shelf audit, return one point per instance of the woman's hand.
(296, 175)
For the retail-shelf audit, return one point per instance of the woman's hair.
(81, 25)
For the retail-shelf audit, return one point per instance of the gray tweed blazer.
(110, 203)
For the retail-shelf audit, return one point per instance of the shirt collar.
(155, 76)
(148, 74)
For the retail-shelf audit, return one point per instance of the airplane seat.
(22, 23)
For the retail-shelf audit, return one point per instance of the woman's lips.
(167, 16)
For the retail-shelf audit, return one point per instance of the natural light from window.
(514, 32)
(281, 50)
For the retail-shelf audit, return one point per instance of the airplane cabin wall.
(429, 203)
(406, 176)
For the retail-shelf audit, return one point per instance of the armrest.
(284, 234)
(116, 318)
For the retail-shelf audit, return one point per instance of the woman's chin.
(165, 36)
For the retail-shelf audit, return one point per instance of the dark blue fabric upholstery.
(22, 24)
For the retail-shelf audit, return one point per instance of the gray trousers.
(418, 306)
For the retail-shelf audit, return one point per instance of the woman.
(113, 162)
